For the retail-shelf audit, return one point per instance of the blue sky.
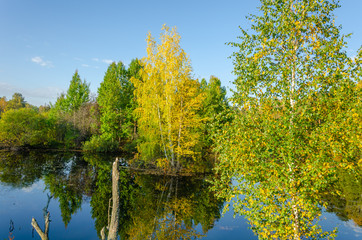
(43, 42)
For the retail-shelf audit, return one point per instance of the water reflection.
(150, 206)
(348, 203)
(155, 206)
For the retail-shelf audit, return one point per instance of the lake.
(75, 189)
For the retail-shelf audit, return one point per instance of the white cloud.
(41, 62)
(108, 61)
(85, 65)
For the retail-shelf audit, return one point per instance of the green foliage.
(100, 143)
(25, 127)
(74, 114)
(215, 97)
(3, 104)
(77, 94)
(215, 103)
(116, 105)
(16, 102)
(60, 106)
(114, 99)
(295, 92)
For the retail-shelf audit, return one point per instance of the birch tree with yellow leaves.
(168, 102)
(297, 118)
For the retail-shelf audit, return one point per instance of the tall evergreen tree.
(78, 93)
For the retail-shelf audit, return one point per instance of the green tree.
(293, 78)
(110, 100)
(168, 101)
(215, 96)
(69, 113)
(215, 103)
(115, 97)
(134, 71)
(16, 102)
(77, 94)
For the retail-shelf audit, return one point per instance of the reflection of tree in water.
(348, 203)
(171, 207)
(151, 206)
(102, 194)
(69, 184)
(67, 176)
(22, 169)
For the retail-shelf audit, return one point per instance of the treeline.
(153, 107)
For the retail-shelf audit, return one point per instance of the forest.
(151, 109)
(291, 127)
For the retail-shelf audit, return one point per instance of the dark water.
(76, 189)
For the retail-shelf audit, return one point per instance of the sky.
(42, 42)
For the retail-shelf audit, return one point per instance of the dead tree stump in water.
(43, 235)
(113, 225)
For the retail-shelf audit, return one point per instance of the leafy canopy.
(295, 89)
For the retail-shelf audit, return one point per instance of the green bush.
(100, 143)
(25, 127)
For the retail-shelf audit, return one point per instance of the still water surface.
(76, 189)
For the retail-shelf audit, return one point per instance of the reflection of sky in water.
(229, 227)
(34, 187)
(354, 227)
(20, 205)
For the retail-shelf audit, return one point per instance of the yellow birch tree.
(168, 101)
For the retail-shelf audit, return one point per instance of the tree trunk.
(179, 136)
(113, 226)
(161, 133)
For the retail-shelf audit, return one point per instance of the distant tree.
(16, 102)
(78, 93)
(3, 104)
(44, 109)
